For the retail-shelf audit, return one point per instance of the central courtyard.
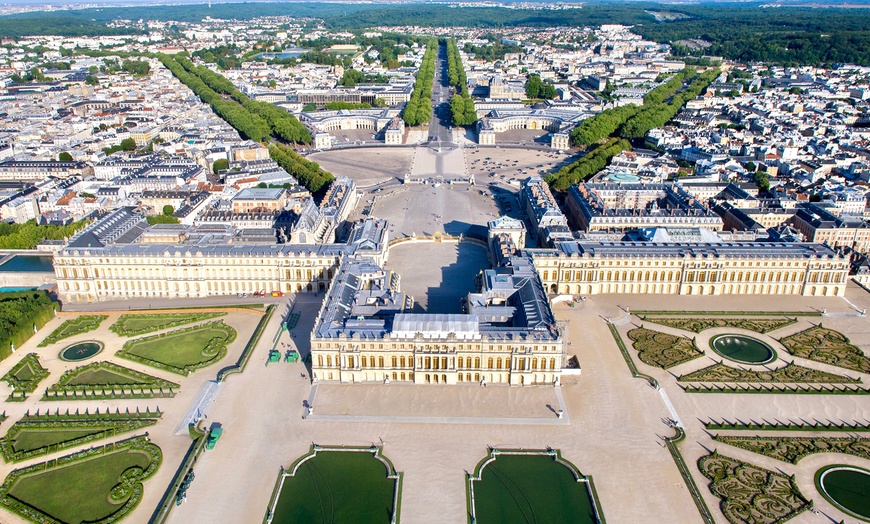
(437, 274)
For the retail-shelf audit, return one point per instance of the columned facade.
(428, 361)
(122, 272)
(728, 269)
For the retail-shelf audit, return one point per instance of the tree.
(64, 157)
(168, 210)
(548, 92)
(533, 86)
(91, 80)
(762, 180)
(220, 164)
(351, 77)
(128, 144)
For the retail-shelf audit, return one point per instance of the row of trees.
(629, 122)
(587, 166)
(418, 110)
(632, 121)
(28, 234)
(308, 173)
(657, 115)
(252, 119)
(461, 105)
(19, 312)
(255, 120)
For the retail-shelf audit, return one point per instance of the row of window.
(436, 363)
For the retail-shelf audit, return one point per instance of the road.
(440, 126)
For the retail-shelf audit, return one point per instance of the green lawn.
(337, 486)
(531, 488)
(30, 439)
(78, 492)
(103, 377)
(25, 373)
(183, 350)
(129, 325)
(72, 327)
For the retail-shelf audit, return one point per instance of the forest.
(747, 32)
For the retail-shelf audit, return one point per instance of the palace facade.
(746, 268)
(365, 331)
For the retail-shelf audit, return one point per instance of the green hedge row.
(73, 327)
(249, 347)
(786, 426)
(22, 386)
(793, 390)
(180, 319)
(115, 426)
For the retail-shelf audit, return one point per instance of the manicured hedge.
(21, 385)
(73, 327)
(20, 312)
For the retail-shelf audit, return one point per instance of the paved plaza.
(424, 209)
(613, 429)
(438, 274)
(367, 165)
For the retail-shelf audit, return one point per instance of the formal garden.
(348, 485)
(825, 345)
(24, 377)
(749, 493)
(662, 350)
(181, 351)
(790, 373)
(528, 487)
(72, 327)
(792, 449)
(40, 434)
(697, 325)
(97, 485)
(140, 324)
(106, 380)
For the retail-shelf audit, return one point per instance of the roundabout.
(847, 488)
(742, 349)
(81, 351)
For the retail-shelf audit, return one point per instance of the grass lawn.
(128, 325)
(103, 376)
(337, 486)
(182, 350)
(30, 439)
(78, 492)
(72, 327)
(25, 373)
(531, 488)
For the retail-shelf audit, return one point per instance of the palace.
(692, 268)
(365, 333)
